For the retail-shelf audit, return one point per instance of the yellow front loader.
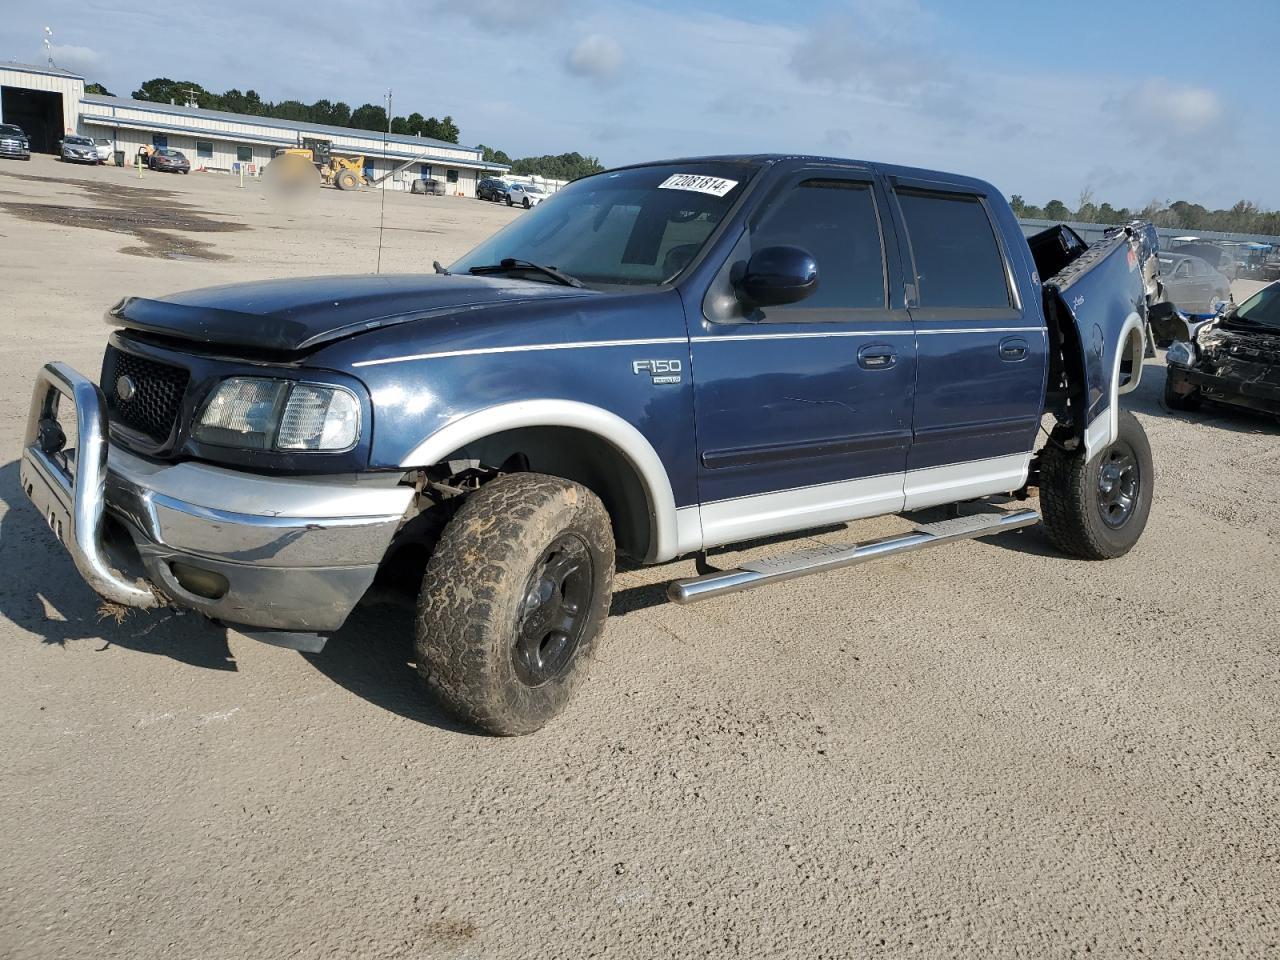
(295, 167)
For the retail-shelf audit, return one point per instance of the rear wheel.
(513, 601)
(1097, 509)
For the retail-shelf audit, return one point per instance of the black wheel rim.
(554, 611)
(1119, 485)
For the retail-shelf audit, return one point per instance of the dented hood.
(292, 316)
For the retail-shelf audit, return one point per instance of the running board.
(758, 573)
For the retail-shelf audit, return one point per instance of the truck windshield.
(639, 226)
(1260, 310)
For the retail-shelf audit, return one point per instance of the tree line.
(564, 166)
(367, 116)
(1244, 216)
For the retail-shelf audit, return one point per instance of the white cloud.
(83, 60)
(596, 56)
(1177, 110)
(504, 16)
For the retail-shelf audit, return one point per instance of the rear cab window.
(957, 260)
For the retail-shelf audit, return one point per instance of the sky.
(1132, 101)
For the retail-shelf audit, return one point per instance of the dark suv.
(491, 188)
(13, 142)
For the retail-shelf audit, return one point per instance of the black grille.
(157, 393)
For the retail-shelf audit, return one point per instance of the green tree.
(490, 155)
(566, 166)
(1056, 210)
(1107, 214)
(164, 90)
(368, 116)
(99, 89)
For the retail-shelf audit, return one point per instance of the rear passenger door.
(981, 355)
(803, 411)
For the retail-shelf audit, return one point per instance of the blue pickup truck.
(660, 360)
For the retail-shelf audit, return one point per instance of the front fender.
(672, 531)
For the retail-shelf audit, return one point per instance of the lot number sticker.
(716, 186)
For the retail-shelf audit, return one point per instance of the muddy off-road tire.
(347, 180)
(513, 600)
(1097, 509)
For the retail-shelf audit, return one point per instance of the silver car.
(1192, 285)
(76, 149)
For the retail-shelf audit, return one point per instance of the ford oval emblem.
(126, 388)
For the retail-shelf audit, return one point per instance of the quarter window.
(957, 259)
(835, 222)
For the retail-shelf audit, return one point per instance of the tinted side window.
(835, 221)
(957, 259)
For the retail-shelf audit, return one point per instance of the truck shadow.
(43, 594)
(373, 657)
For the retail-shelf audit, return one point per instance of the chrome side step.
(758, 573)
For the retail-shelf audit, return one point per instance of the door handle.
(1013, 349)
(877, 356)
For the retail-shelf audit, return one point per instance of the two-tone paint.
(733, 427)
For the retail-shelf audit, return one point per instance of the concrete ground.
(987, 750)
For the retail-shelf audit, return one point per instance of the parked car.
(525, 194)
(75, 149)
(169, 160)
(1234, 359)
(428, 186)
(1192, 285)
(14, 143)
(692, 354)
(1219, 258)
(491, 188)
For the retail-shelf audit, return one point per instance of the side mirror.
(776, 275)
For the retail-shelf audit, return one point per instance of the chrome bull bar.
(68, 484)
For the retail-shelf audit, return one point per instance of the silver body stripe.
(524, 348)
(588, 344)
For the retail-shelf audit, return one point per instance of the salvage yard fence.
(1090, 232)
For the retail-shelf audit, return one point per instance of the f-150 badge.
(662, 371)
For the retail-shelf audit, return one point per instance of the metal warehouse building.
(48, 103)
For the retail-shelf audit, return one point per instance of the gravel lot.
(984, 750)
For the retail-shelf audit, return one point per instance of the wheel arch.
(579, 442)
(1130, 346)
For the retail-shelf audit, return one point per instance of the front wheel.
(526, 203)
(513, 600)
(1097, 509)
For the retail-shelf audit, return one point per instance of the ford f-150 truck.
(658, 360)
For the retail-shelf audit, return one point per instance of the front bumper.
(1253, 393)
(14, 152)
(263, 552)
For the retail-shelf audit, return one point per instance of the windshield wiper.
(511, 263)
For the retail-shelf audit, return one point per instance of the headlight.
(263, 414)
(1181, 354)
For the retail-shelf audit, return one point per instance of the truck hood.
(291, 316)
